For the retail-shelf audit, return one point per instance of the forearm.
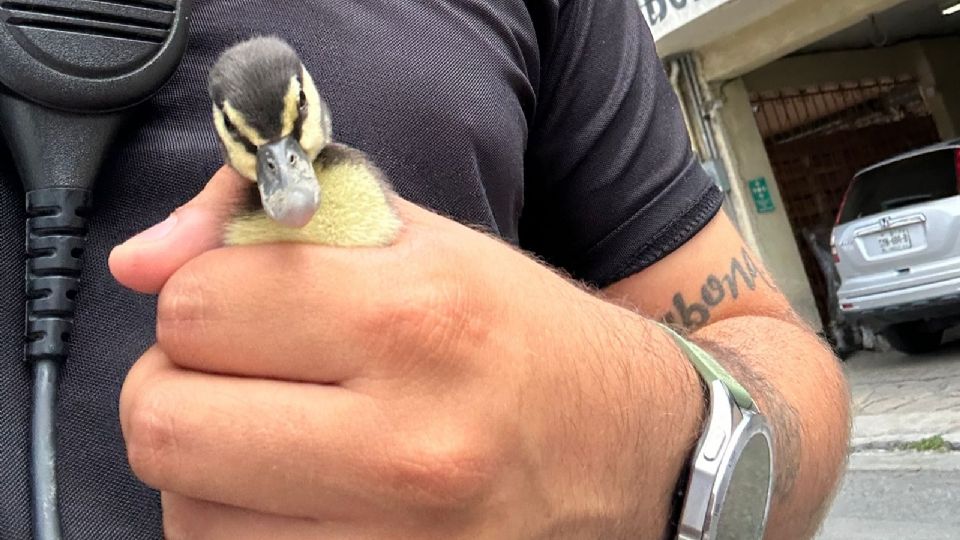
(799, 386)
(795, 380)
(719, 291)
(634, 410)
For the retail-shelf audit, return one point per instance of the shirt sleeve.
(611, 182)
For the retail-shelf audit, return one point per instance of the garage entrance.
(818, 137)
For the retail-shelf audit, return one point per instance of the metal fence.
(791, 114)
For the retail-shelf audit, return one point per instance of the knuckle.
(444, 472)
(180, 303)
(182, 296)
(150, 434)
(434, 316)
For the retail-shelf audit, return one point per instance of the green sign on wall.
(761, 195)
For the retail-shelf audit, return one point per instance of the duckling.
(275, 130)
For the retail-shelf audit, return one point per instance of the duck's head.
(272, 123)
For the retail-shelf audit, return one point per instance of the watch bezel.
(728, 430)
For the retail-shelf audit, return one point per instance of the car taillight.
(956, 166)
(843, 201)
(833, 249)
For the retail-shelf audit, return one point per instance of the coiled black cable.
(56, 237)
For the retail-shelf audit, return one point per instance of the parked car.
(896, 246)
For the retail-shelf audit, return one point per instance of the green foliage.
(930, 444)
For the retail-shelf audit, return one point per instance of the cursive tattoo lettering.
(693, 315)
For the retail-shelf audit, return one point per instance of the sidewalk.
(900, 399)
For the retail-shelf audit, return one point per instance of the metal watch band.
(710, 370)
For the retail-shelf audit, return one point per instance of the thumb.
(145, 262)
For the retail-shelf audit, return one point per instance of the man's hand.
(444, 387)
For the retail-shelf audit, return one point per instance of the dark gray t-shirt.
(549, 122)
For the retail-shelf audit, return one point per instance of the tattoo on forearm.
(715, 290)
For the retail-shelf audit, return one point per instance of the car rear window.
(909, 181)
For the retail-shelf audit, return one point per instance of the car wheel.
(913, 338)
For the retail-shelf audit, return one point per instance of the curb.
(904, 461)
(891, 431)
(899, 444)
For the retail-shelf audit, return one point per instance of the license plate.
(895, 240)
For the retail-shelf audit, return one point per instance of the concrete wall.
(940, 75)
(787, 29)
(832, 67)
(769, 234)
(683, 25)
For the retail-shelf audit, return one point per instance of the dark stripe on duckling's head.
(301, 108)
(232, 130)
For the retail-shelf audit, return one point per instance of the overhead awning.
(683, 25)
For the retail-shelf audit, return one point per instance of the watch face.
(728, 491)
(743, 514)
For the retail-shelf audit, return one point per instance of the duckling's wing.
(356, 207)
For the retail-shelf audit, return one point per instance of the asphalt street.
(901, 495)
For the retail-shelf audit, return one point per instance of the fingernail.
(158, 231)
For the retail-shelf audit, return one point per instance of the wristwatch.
(729, 487)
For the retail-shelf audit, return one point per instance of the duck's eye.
(303, 100)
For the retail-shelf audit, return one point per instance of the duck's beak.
(288, 186)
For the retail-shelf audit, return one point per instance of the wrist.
(653, 404)
(686, 407)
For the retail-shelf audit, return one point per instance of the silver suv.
(896, 245)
